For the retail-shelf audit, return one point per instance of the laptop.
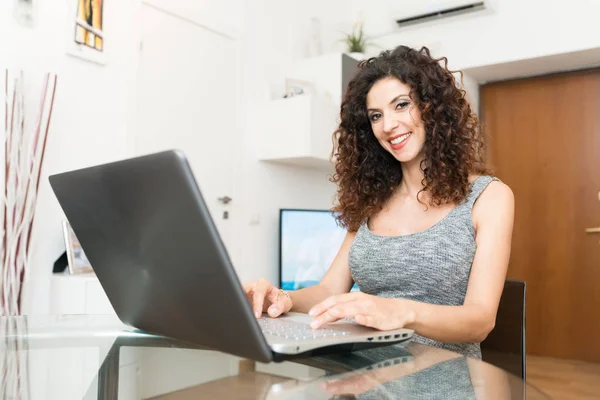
(146, 230)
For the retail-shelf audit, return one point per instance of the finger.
(332, 301)
(248, 291)
(348, 310)
(331, 315)
(258, 299)
(340, 311)
(278, 302)
(352, 308)
(248, 286)
(345, 310)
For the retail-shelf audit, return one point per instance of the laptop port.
(404, 335)
(387, 337)
(396, 336)
(379, 337)
(370, 339)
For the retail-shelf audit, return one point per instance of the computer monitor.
(309, 240)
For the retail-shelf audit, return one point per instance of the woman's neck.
(412, 177)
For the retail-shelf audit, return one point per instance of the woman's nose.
(390, 123)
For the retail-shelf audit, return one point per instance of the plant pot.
(357, 56)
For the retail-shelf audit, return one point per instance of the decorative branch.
(24, 156)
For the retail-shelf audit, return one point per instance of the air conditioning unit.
(418, 11)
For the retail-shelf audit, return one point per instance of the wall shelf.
(298, 130)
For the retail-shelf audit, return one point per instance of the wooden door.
(544, 142)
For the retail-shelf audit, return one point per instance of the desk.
(97, 357)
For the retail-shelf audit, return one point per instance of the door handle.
(593, 230)
(225, 199)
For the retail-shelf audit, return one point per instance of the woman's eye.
(375, 117)
(401, 105)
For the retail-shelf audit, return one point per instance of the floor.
(564, 379)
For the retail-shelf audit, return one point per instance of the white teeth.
(400, 139)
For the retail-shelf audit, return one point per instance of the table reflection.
(97, 357)
(410, 371)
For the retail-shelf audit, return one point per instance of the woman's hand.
(265, 297)
(376, 312)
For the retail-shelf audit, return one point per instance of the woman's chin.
(405, 156)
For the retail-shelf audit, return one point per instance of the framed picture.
(85, 30)
(77, 260)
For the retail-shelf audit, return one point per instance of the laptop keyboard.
(295, 330)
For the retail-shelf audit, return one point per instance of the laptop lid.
(149, 236)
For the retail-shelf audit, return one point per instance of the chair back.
(505, 345)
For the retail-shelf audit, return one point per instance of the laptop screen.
(309, 240)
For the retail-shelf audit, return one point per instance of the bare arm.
(337, 280)
(493, 215)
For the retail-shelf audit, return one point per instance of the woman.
(429, 233)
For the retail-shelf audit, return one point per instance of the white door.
(188, 99)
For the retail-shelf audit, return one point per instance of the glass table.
(98, 357)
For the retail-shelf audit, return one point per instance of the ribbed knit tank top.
(430, 266)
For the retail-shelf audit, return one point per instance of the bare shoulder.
(497, 201)
(497, 193)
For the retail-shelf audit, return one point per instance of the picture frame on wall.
(78, 262)
(85, 30)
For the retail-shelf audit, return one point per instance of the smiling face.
(396, 119)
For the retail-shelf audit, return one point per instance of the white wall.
(90, 119)
(472, 88)
(275, 38)
(511, 30)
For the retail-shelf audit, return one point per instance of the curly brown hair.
(366, 174)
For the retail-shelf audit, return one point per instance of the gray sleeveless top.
(431, 266)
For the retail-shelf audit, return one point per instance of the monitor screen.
(309, 240)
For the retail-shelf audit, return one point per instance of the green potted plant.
(356, 42)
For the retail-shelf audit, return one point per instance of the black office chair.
(505, 345)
